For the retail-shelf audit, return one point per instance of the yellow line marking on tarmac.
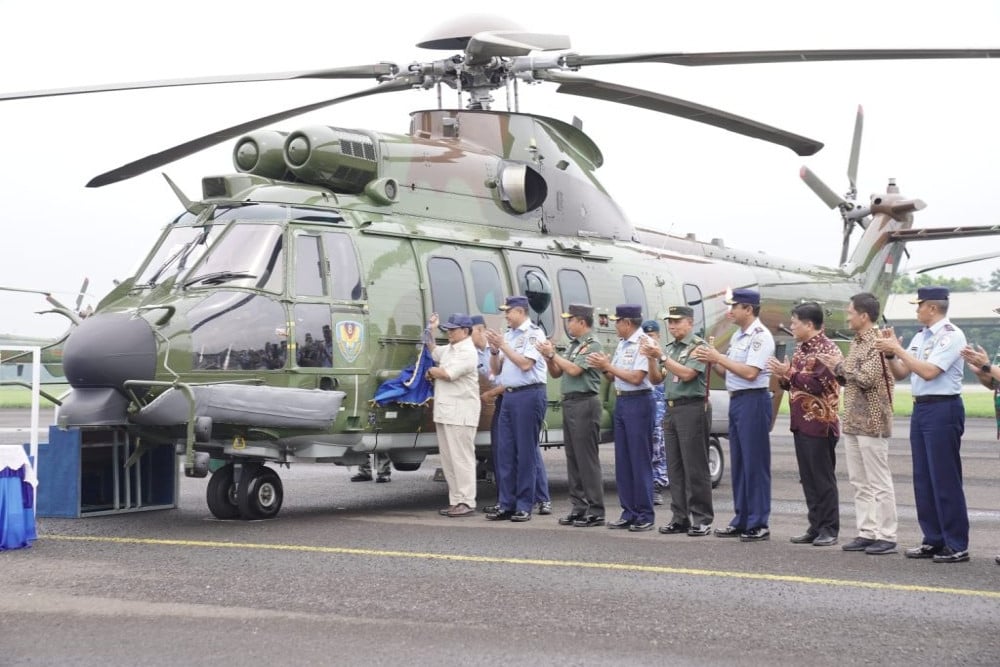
(623, 567)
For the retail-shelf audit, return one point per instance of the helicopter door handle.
(163, 318)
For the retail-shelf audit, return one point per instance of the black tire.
(221, 494)
(260, 493)
(716, 461)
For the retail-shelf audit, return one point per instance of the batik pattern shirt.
(814, 395)
(868, 388)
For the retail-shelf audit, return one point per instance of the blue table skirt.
(17, 518)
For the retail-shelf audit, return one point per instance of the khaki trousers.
(874, 495)
(456, 445)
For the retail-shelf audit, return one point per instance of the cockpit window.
(249, 255)
(181, 249)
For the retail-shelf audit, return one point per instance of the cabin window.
(447, 287)
(693, 298)
(634, 293)
(342, 264)
(313, 336)
(572, 289)
(310, 270)
(238, 331)
(248, 255)
(534, 284)
(487, 286)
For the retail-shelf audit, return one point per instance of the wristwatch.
(986, 368)
(663, 358)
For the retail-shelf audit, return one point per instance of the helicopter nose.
(107, 349)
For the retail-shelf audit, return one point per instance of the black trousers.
(817, 458)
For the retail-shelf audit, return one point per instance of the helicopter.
(257, 329)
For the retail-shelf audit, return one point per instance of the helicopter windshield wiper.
(219, 277)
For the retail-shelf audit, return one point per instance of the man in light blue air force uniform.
(520, 368)
(747, 379)
(633, 419)
(934, 364)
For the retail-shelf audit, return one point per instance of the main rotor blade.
(953, 262)
(357, 72)
(674, 106)
(506, 43)
(852, 163)
(829, 197)
(761, 57)
(155, 160)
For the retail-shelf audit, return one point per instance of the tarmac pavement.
(369, 573)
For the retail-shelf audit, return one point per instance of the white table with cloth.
(17, 498)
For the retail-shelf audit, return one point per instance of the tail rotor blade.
(829, 197)
(83, 292)
(852, 164)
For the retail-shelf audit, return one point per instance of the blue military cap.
(478, 319)
(743, 295)
(649, 326)
(931, 294)
(457, 321)
(627, 310)
(515, 302)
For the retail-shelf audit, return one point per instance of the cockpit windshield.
(247, 255)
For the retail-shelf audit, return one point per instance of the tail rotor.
(850, 212)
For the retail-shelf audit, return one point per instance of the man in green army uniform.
(988, 375)
(686, 425)
(581, 416)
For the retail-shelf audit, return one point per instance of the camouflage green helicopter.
(258, 328)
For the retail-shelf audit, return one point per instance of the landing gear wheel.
(716, 461)
(259, 493)
(221, 494)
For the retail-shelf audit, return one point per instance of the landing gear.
(716, 460)
(257, 495)
(221, 494)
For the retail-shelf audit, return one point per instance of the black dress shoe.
(947, 555)
(729, 531)
(589, 521)
(805, 538)
(570, 518)
(700, 530)
(499, 515)
(923, 551)
(361, 477)
(673, 528)
(880, 548)
(641, 527)
(758, 534)
(858, 544)
(520, 516)
(825, 541)
(620, 524)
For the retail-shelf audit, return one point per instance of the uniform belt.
(579, 394)
(637, 392)
(685, 401)
(524, 386)
(935, 398)
(740, 392)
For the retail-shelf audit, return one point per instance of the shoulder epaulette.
(948, 327)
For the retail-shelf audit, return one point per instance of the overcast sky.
(930, 124)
